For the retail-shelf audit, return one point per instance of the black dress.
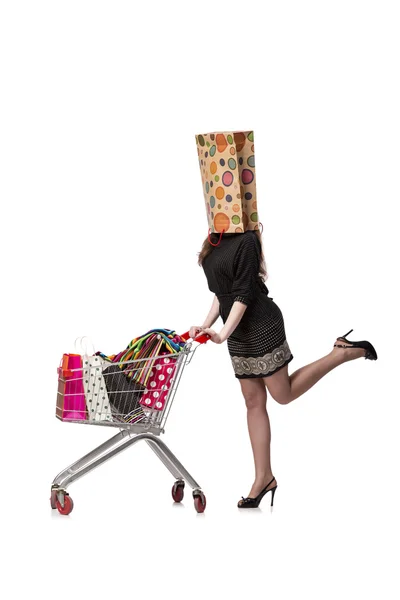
(258, 346)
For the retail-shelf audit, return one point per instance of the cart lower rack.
(134, 396)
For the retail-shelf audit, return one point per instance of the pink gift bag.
(71, 403)
(159, 382)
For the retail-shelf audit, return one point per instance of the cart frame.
(128, 435)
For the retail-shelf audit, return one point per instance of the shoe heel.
(272, 495)
(346, 334)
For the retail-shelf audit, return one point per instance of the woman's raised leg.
(285, 388)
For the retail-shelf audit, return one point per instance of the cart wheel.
(68, 505)
(53, 499)
(200, 502)
(177, 491)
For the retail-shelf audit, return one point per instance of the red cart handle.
(201, 339)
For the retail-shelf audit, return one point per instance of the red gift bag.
(159, 382)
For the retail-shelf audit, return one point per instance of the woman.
(255, 333)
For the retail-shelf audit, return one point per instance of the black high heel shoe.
(254, 502)
(370, 351)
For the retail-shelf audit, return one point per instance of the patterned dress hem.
(253, 376)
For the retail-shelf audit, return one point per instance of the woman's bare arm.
(213, 314)
(235, 315)
(208, 321)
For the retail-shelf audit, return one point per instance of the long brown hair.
(207, 248)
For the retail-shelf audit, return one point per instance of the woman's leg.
(285, 388)
(255, 396)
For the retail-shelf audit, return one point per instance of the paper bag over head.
(228, 175)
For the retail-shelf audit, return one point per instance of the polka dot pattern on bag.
(159, 383)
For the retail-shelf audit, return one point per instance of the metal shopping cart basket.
(139, 411)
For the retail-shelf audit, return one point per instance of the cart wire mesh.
(134, 394)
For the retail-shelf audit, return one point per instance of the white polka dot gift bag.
(97, 401)
(160, 380)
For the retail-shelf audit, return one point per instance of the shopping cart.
(136, 419)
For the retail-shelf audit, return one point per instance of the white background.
(102, 219)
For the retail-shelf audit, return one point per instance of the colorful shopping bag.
(160, 379)
(143, 372)
(71, 405)
(138, 358)
(97, 401)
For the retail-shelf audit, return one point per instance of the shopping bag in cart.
(160, 380)
(97, 401)
(135, 369)
(71, 404)
(125, 379)
(159, 372)
(144, 357)
(124, 395)
(139, 356)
